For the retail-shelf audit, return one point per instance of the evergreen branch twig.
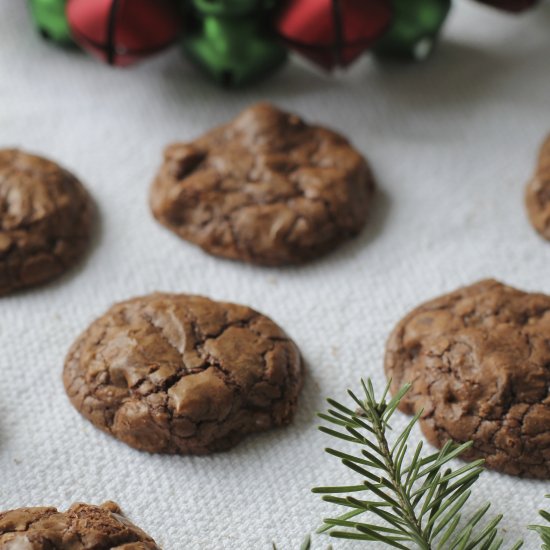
(411, 498)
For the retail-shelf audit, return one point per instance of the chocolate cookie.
(537, 196)
(267, 188)
(169, 373)
(82, 527)
(479, 363)
(45, 220)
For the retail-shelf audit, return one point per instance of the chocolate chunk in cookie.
(169, 373)
(82, 527)
(478, 360)
(537, 196)
(45, 220)
(267, 188)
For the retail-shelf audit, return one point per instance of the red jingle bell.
(333, 32)
(122, 32)
(513, 6)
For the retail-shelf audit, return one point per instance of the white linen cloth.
(452, 142)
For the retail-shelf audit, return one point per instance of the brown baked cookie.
(169, 373)
(479, 363)
(267, 188)
(45, 220)
(537, 196)
(82, 527)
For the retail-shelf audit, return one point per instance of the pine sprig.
(543, 530)
(403, 497)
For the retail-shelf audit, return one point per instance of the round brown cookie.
(478, 360)
(169, 373)
(82, 527)
(267, 188)
(45, 220)
(537, 196)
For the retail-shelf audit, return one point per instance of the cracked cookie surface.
(82, 527)
(45, 220)
(537, 197)
(266, 188)
(478, 360)
(173, 373)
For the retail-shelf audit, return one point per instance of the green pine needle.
(410, 498)
(543, 530)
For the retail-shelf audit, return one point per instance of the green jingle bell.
(50, 19)
(232, 43)
(414, 30)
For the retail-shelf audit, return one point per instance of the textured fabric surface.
(452, 142)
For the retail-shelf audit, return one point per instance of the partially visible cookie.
(45, 220)
(172, 373)
(537, 196)
(478, 360)
(266, 188)
(82, 527)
